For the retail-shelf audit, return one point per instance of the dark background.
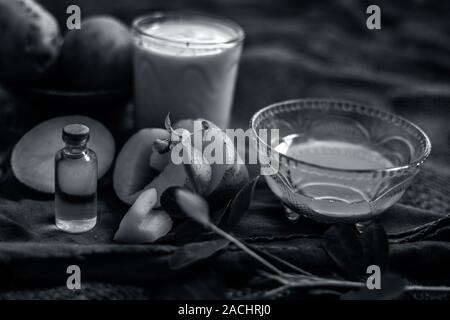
(323, 49)
(308, 48)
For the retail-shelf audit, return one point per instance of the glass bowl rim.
(239, 37)
(333, 104)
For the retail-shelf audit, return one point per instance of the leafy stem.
(350, 251)
(291, 281)
(176, 200)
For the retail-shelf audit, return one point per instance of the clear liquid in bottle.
(75, 182)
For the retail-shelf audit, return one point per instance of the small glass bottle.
(75, 182)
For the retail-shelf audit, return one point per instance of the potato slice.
(142, 224)
(132, 171)
(33, 157)
(159, 161)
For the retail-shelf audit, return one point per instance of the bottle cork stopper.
(75, 133)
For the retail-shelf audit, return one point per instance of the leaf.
(181, 202)
(375, 246)
(176, 200)
(194, 252)
(240, 205)
(217, 216)
(392, 286)
(184, 232)
(344, 247)
(168, 123)
(169, 203)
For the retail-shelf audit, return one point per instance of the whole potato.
(29, 41)
(98, 56)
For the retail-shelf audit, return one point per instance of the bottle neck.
(75, 150)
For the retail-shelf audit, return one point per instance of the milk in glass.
(185, 65)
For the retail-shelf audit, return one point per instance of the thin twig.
(274, 292)
(279, 260)
(247, 250)
(427, 288)
(294, 281)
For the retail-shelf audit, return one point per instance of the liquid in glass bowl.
(339, 161)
